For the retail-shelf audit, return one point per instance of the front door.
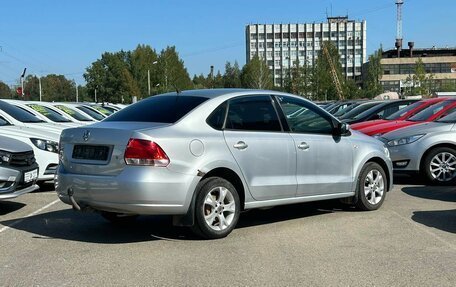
(324, 161)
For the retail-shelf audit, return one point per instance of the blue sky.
(64, 37)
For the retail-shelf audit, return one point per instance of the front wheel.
(217, 208)
(439, 166)
(372, 187)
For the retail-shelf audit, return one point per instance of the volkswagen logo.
(86, 135)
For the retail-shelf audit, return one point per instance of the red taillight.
(145, 152)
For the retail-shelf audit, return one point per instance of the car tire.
(372, 187)
(118, 218)
(437, 166)
(217, 208)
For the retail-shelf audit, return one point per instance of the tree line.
(121, 76)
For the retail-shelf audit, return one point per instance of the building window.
(294, 35)
(302, 53)
(326, 34)
(277, 53)
(293, 54)
(261, 36)
(301, 35)
(286, 53)
(269, 54)
(261, 45)
(253, 36)
(285, 35)
(309, 35)
(269, 36)
(252, 45)
(269, 44)
(277, 35)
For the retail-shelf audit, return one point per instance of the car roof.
(213, 93)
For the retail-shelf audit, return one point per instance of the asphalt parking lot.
(410, 241)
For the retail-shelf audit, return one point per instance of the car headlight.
(5, 157)
(46, 145)
(405, 140)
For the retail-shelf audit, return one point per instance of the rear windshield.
(159, 109)
(404, 111)
(19, 114)
(49, 113)
(73, 113)
(429, 111)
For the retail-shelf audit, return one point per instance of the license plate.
(90, 152)
(30, 175)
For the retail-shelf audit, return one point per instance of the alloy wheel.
(374, 186)
(443, 166)
(219, 208)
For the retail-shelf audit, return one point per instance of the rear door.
(324, 162)
(265, 154)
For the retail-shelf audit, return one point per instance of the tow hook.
(72, 200)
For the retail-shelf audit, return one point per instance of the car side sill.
(284, 201)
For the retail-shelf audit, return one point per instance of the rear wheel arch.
(230, 176)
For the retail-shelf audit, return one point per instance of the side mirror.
(341, 129)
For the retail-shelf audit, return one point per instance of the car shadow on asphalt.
(444, 220)
(442, 193)
(92, 228)
(409, 180)
(10, 206)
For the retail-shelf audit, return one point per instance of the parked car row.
(37, 125)
(421, 135)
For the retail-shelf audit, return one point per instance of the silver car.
(428, 148)
(206, 155)
(18, 168)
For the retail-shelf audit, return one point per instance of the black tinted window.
(253, 113)
(19, 114)
(217, 117)
(304, 118)
(159, 109)
(3, 122)
(91, 112)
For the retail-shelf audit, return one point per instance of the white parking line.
(31, 214)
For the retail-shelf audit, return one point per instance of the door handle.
(240, 145)
(303, 146)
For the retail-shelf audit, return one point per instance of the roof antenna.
(176, 88)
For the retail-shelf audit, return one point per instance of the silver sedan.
(203, 156)
(428, 148)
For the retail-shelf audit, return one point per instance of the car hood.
(26, 132)
(386, 127)
(359, 137)
(12, 145)
(424, 128)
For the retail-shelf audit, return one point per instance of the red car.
(400, 115)
(429, 114)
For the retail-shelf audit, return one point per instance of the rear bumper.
(136, 190)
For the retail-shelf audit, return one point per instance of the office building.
(284, 45)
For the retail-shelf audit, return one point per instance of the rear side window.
(158, 109)
(91, 112)
(73, 113)
(217, 117)
(19, 114)
(430, 111)
(252, 113)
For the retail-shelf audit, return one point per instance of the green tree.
(172, 73)
(199, 82)
(57, 88)
(420, 82)
(372, 86)
(110, 76)
(232, 76)
(255, 74)
(143, 60)
(323, 84)
(298, 80)
(5, 91)
(31, 88)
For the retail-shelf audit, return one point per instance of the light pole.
(22, 82)
(39, 85)
(77, 92)
(148, 77)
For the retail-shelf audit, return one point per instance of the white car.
(70, 113)
(45, 146)
(18, 117)
(44, 113)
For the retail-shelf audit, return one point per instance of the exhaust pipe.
(72, 200)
